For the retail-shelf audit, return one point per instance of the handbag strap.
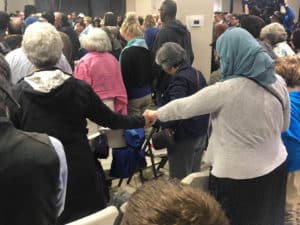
(198, 87)
(198, 80)
(270, 91)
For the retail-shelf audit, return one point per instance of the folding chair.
(197, 180)
(147, 148)
(106, 216)
(154, 154)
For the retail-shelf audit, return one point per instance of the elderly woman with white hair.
(100, 69)
(58, 104)
(189, 135)
(275, 35)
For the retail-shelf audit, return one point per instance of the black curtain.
(99, 7)
(88, 7)
(117, 6)
(46, 5)
(79, 6)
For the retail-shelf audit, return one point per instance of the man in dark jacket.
(172, 31)
(33, 170)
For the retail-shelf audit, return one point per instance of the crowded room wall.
(201, 36)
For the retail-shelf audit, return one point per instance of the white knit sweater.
(247, 122)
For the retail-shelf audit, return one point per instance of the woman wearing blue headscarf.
(249, 110)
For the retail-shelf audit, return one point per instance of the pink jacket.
(102, 72)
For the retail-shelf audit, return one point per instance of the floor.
(120, 194)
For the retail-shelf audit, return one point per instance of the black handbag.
(99, 146)
(162, 139)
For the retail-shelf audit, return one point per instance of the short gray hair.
(274, 33)
(42, 44)
(96, 40)
(170, 55)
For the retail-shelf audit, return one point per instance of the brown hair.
(289, 69)
(149, 21)
(163, 202)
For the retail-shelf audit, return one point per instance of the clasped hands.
(150, 116)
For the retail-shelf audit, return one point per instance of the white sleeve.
(63, 174)
(64, 65)
(205, 101)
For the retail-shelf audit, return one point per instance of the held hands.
(150, 117)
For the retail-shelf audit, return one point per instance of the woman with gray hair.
(275, 35)
(189, 139)
(101, 70)
(56, 103)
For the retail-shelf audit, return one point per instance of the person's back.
(173, 30)
(102, 71)
(32, 167)
(29, 177)
(289, 69)
(21, 66)
(235, 108)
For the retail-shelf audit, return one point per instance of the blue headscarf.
(242, 56)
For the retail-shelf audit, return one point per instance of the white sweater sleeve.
(205, 101)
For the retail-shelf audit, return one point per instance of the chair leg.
(141, 175)
(120, 182)
(162, 163)
(152, 161)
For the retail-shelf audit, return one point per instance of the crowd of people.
(58, 72)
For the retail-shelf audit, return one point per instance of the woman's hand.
(150, 117)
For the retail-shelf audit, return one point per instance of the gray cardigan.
(247, 122)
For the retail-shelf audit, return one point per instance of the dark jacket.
(183, 84)
(173, 31)
(29, 177)
(73, 38)
(62, 114)
(136, 71)
(150, 35)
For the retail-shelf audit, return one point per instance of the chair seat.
(106, 216)
(198, 180)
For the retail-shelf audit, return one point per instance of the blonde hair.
(131, 26)
(274, 32)
(289, 69)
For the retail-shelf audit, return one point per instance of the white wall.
(217, 5)
(201, 37)
(143, 7)
(13, 5)
(130, 5)
(295, 4)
